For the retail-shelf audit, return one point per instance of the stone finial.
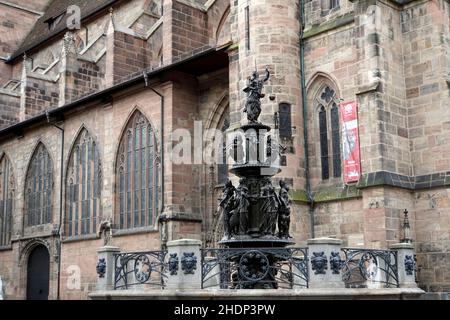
(24, 65)
(406, 229)
(68, 43)
(111, 27)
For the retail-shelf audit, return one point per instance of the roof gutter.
(58, 294)
(305, 117)
(162, 161)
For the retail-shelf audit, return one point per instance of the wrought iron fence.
(256, 268)
(145, 269)
(364, 268)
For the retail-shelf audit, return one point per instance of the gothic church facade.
(87, 117)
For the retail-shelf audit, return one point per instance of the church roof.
(54, 22)
(202, 61)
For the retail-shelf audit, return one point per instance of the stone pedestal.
(324, 263)
(406, 264)
(187, 274)
(106, 267)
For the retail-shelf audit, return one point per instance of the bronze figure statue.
(284, 216)
(269, 210)
(254, 95)
(242, 205)
(226, 205)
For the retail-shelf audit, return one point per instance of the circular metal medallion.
(254, 266)
(142, 268)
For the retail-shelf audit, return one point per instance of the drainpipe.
(60, 202)
(161, 218)
(305, 116)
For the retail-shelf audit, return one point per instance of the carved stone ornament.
(101, 267)
(319, 262)
(335, 262)
(188, 262)
(173, 264)
(409, 265)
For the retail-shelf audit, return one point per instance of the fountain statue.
(254, 214)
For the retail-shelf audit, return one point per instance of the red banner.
(350, 142)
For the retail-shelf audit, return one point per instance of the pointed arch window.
(7, 189)
(329, 132)
(136, 175)
(83, 187)
(324, 143)
(38, 188)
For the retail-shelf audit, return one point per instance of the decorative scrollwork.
(363, 268)
(173, 264)
(409, 265)
(189, 262)
(319, 262)
(149, 268)
(101, 267)
(254, 266)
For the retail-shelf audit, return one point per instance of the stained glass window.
(83, 187)
(336, 137)
(136, 175)
(324, 143)
(6, 200)
(330, 151)
(38, 188)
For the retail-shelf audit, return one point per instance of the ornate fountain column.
(254, 214)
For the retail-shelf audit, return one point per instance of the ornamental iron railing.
(255, 268)
(364, 268)
(142, 269)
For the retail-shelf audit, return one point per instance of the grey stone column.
(105, 276)
(322, 252)
(188, 274)
(405, 264)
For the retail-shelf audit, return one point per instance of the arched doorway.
(38, 274)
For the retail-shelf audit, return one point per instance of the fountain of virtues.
(255, 214)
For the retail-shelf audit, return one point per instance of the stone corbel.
(372, 87)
